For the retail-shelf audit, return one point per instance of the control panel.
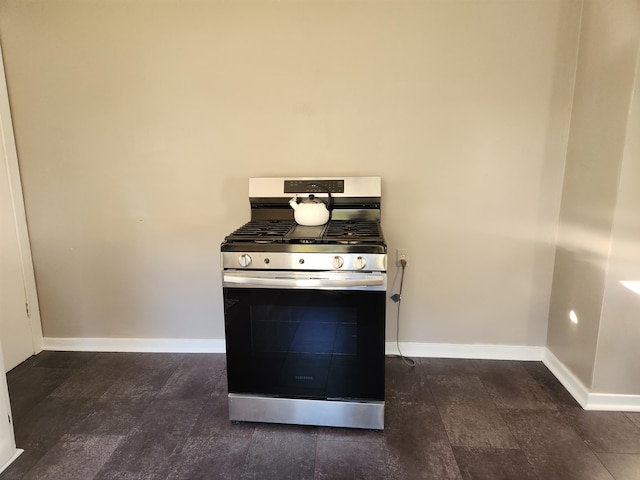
(313, 186)
(304, 261)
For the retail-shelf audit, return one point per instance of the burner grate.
(346, 232)
(263, 231)
(350, 231)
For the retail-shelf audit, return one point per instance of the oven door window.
(305, 343)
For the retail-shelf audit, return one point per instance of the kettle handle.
(329, 202)
(328, 192)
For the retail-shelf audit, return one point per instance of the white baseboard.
(477, 351)
(158, 345)
(613, 403)
(589, 400)
(437, 350)
(16, 454)
(573, 385)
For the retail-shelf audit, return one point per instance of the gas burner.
(262, 231)
(353, 232)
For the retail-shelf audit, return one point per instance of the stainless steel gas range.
(304, 304)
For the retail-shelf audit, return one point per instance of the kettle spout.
(294, 202)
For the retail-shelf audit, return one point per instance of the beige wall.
(598, 235)
(617, 367)
(138, 124)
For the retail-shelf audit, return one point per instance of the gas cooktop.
(344, 232)
(354, 225)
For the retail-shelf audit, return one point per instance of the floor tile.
(459, 390)
(196, 376)
(346, 460)
(21, 466)
(75, 457)
(493, 463)
(416, 444)
(141, 454)
(147, 449)
(476, 426)
(137, 415)
(350, 434)
(50, 420)
(137, 382)
(468, 413)
(622, 466)
(204, 458)
(607, 432)
(26, 365)
(95, 378)
(119, 361)
(634, 417)
(31, 387)
(418, 419)
(510, 385)
(281, 452)
(214, 420)
(550, 384)
(172, 417)
(159, 361)
(406, 384)
(73, 360)
(221, 387)
(448, 366)
(113, 416)
(41, 428)
(25, 462)
(554, 449)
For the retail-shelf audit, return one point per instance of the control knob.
(244, 260)
(337, 262)
(359, 263)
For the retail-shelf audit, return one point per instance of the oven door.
(312, 335)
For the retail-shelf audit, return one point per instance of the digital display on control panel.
(313, 186)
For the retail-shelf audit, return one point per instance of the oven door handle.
(283, 280)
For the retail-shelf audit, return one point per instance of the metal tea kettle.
(311, 211)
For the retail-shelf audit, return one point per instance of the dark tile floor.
(156, 416)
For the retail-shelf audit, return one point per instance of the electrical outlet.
(402, 254)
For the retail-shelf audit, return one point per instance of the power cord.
(397, 298)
